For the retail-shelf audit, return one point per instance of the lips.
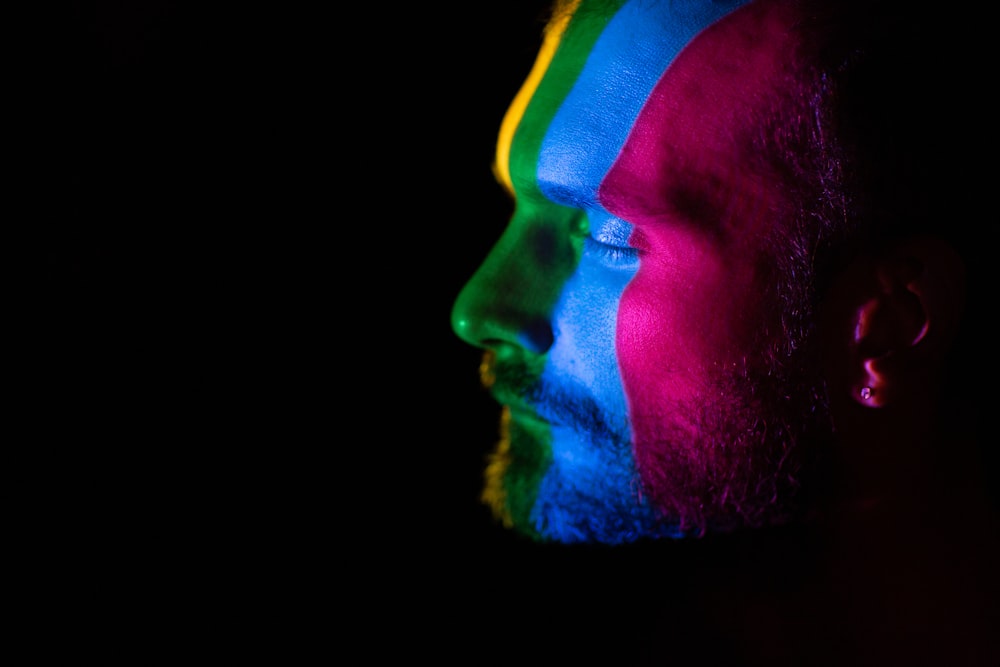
(517, 388)
(525, 414)
(514, 401)
(513, 394)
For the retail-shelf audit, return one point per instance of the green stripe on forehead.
(624, 56)
(560, 61)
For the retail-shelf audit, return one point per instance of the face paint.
(546, 301)
(714, 429)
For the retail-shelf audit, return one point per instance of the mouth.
(514, 401)
(523, 413)
(516, 390)
(528, 418)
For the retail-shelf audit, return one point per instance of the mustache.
(511, 382)
(520, 384)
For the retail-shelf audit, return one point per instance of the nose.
(505, 302)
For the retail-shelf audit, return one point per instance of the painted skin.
(629, 305)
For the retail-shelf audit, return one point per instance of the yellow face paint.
(554, 31)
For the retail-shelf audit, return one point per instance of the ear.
(908, 304)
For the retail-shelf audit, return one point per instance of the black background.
(254, 227)
(253, 432)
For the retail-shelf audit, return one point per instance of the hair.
(918, 106)
(879, 134)
(895, 123)
(874, 134)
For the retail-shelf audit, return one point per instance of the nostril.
(484, 321)
(537, 337)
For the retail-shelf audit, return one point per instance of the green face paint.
(589, 325)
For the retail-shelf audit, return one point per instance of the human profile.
(740, 285)
(722, 265)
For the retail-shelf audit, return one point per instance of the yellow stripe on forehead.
(553, 35)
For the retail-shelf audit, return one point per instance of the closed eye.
(619, 256)
(608, 241)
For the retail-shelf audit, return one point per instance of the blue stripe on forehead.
(595, 119)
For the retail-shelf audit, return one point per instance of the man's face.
(630, 311)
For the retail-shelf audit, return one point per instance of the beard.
(737, 454)
(563, 468)
(736, 462)
(577, 474)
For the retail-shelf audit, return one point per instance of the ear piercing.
(867, 392)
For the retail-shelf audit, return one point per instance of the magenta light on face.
(609, 308)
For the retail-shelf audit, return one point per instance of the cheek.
(586, 319)
(682, 322)
(653, 341)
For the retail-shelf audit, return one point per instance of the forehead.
(626, 100)
(600, 62)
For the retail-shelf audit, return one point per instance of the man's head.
(679, 302)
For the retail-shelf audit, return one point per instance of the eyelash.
(618, 252)
(610, 254)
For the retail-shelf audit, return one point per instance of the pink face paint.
(626, 282)
(698, 315)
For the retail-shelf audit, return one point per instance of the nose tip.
(490, 323)
(473, 311)
(462, 328)
(462, 324)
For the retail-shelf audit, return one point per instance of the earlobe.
(905, 320)
(889, 323)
